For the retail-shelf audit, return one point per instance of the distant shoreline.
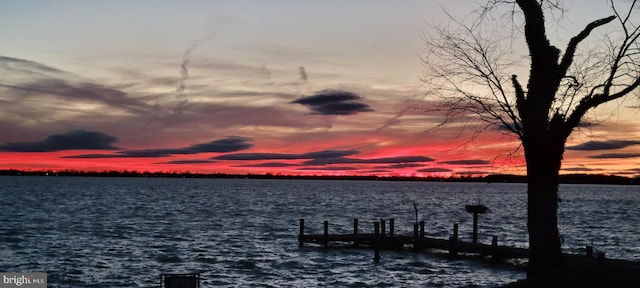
(495, 178)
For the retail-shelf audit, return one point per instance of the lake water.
(126, 232)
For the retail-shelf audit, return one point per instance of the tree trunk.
(544, 156)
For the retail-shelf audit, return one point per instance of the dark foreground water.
(126, 232)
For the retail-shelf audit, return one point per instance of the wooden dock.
(386, 239)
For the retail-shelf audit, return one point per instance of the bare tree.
(466, 66)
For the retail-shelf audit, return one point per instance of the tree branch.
(592, 102)
(567, 58)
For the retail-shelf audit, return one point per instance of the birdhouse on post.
(475, 210)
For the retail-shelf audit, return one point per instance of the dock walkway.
(383, 239)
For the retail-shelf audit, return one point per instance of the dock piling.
(494, 249)
(455, 231)
(301, 233)
(415, 236)
(453, 249)
(355, 226)
(325, 239)
(376, 244)
(475, 210)
(355, 232)
(453, 241)
(391, 226)
(475, 229)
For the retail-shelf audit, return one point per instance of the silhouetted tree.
(466, 67)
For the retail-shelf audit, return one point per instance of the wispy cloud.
(465, 162)
(73, 140)
(604, 145)
(27, 78)
(33, 68)
(303, 74)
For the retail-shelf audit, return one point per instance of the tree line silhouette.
(493, 178)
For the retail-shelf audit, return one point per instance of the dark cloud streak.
(435, 170)
(615, 156)
(402, 165)
(73, 140)
(323, 158)
(334, 102)
(186, 162)
(465, 162)
(384, 160)
(281, 156)
(228, 144)
(334, 168)
(269, 165)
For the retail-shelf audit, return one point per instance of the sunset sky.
(282, 87)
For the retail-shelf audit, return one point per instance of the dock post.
(416, 245)
(391, 226)
(453, 241)
(376, 240)
(475, 210)
(475, 228)
(355, 226)
(355, 232)
(494, 250)
(421, 229)
(301, 233)
(382, 227)
(325, 238)
(455, 231)
(589, 250)
(453, 249)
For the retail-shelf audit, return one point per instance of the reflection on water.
(125, 232)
